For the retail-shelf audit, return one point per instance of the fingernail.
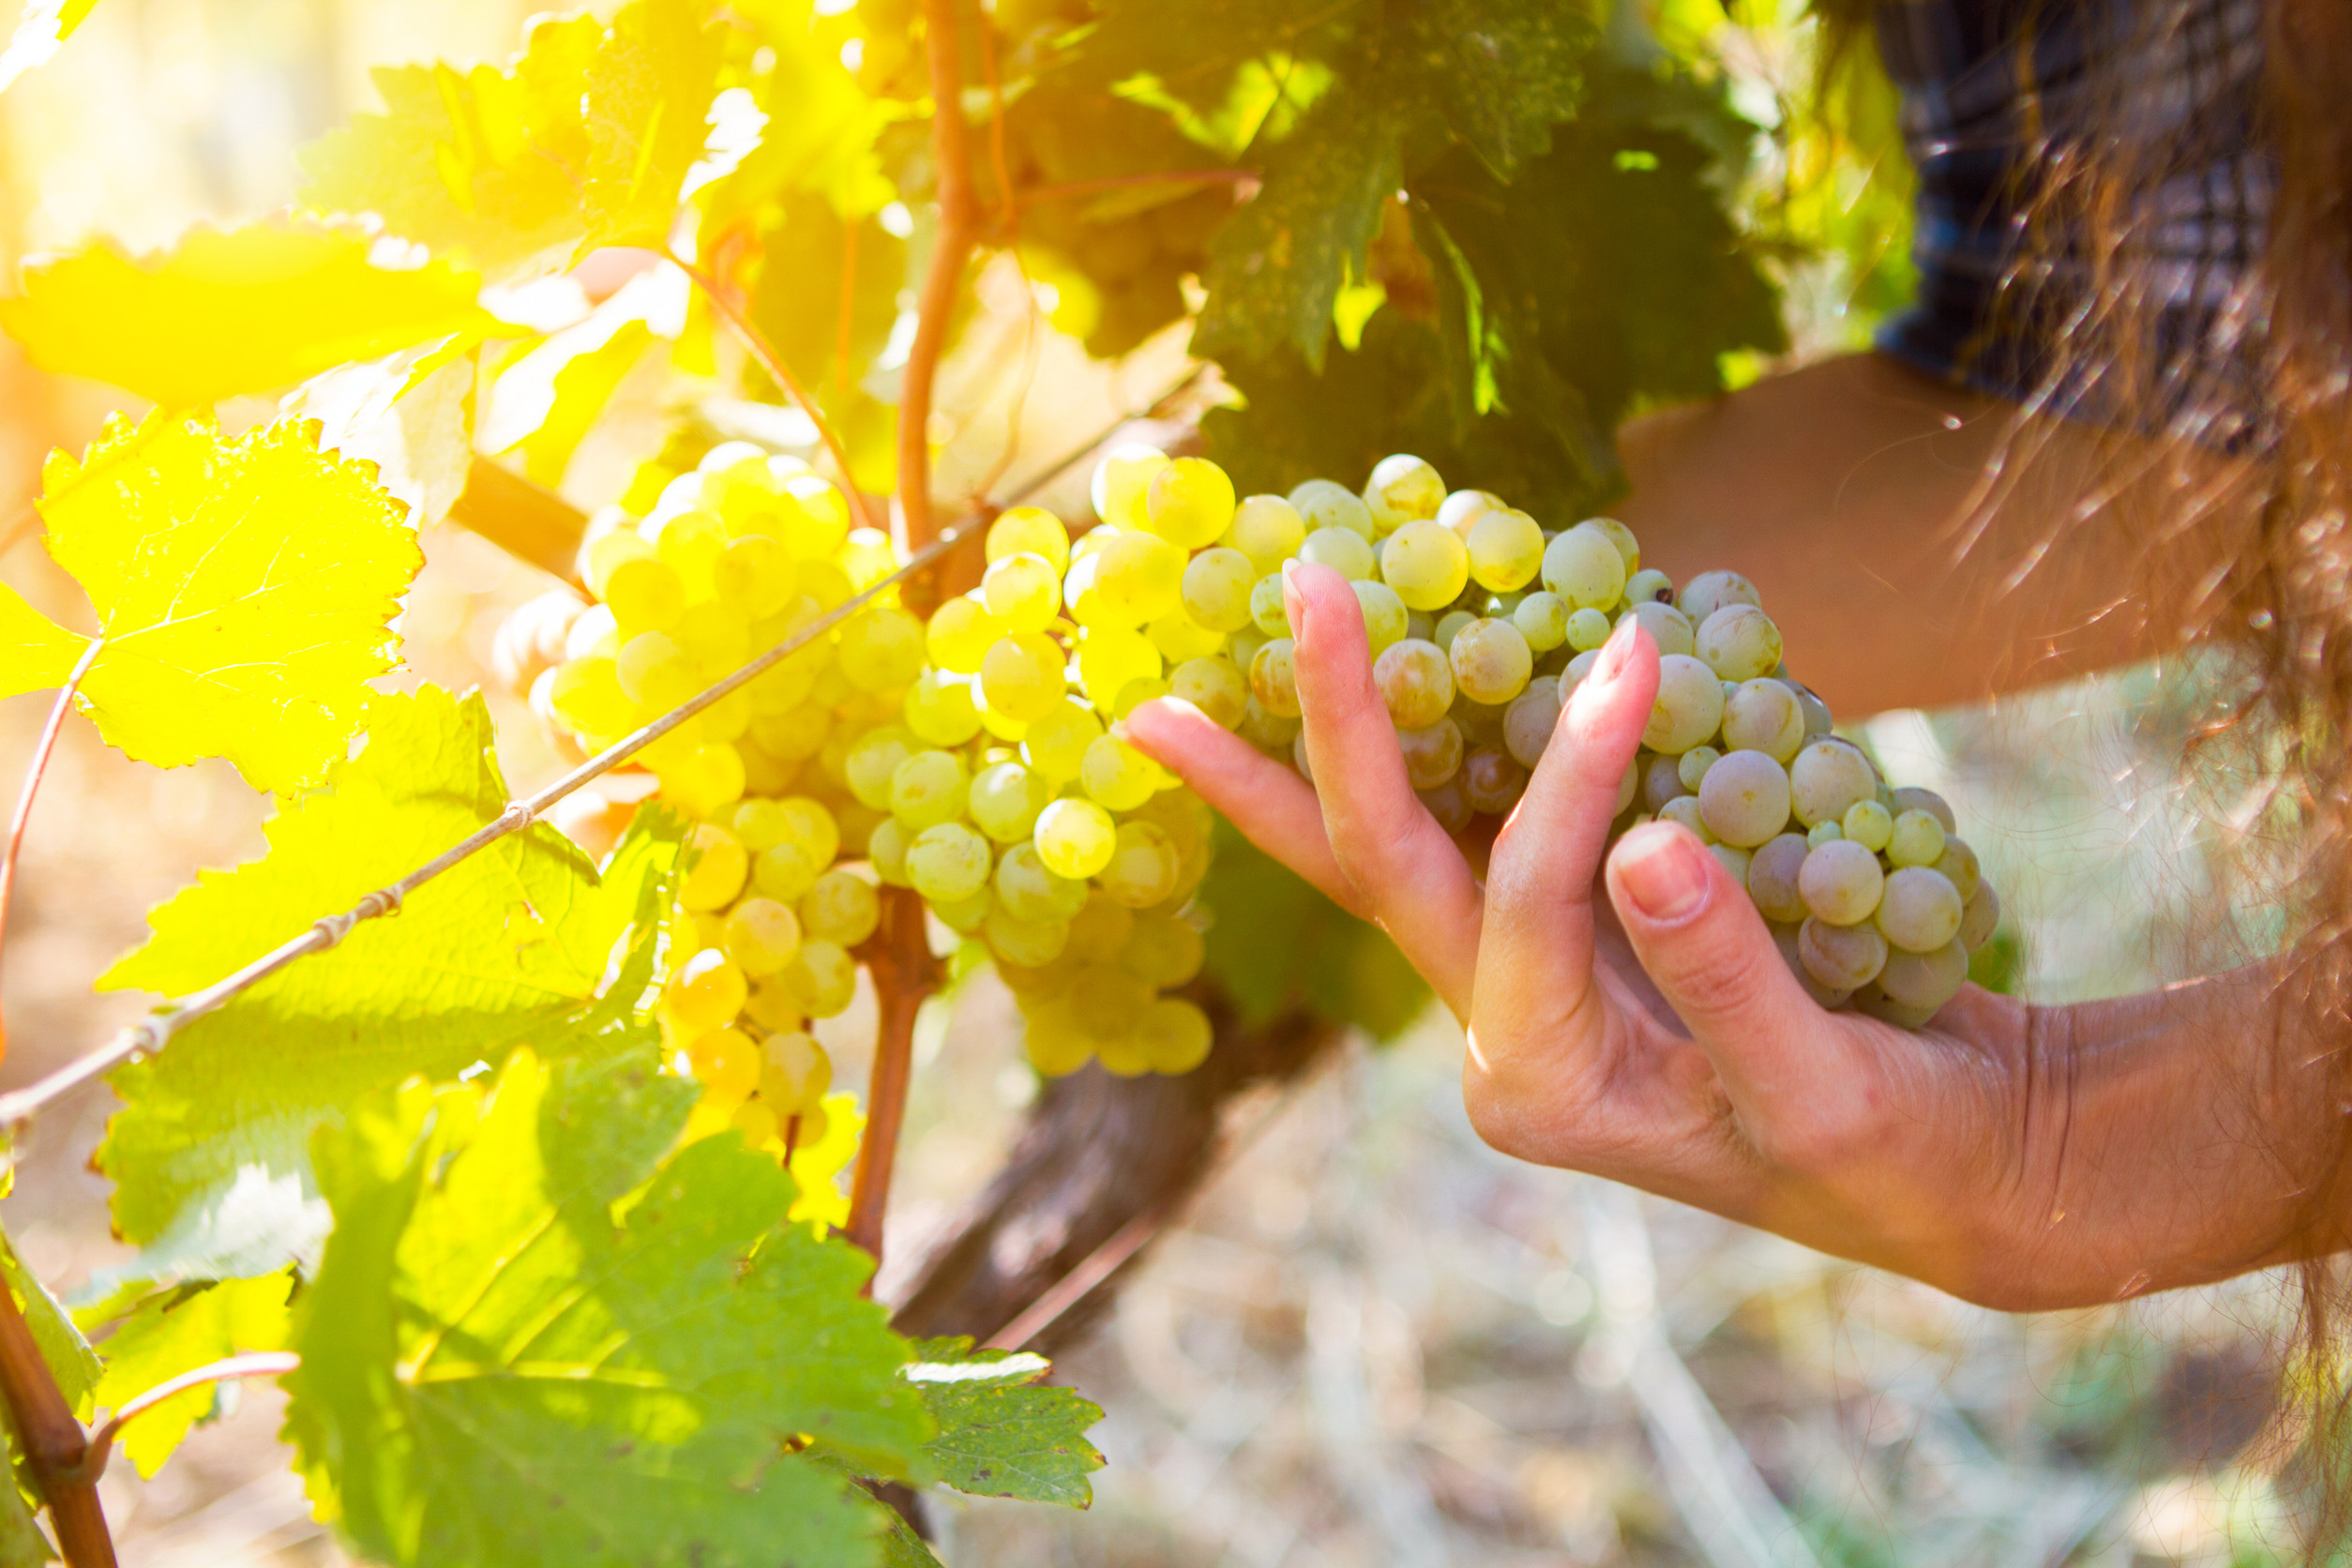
(1617, 653)
(1665, 874)
(1294, 598)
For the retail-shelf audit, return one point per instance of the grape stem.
(258, 1363)
(959, 231)
(33, 771)
(723, 300)
(899, 959)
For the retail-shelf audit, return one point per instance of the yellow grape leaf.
(649, 96)
(245, 589)
(43, 26)
(485, 165)
(248, 311)
(35, 651)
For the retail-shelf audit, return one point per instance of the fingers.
(1711, 956)
(1274, 808)
(1388, 846)
(1536, 966)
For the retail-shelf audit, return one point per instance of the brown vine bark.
(55, 1443)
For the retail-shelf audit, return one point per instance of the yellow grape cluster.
(1481, 621)
(878, 753)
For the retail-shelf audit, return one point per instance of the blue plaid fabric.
(1996, 94)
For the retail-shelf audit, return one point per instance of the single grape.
(1822, 832)
(1506, 549)
(1826, 779)
(1273, 678)
(821, 979)
(1163, 950)
(1268, 612)
(1426, 564)
(1492, 780)
(1415, 681)
(1733, 859)
(1588, 629)
(1110, 659)
(1075, 837)
(840, 907)
(1031, 531)
(1763, 716)
(1491, 661)
(1543, 620)
(886, 848)
(760, 936)
(960, 634)
(1327, 504)
(1005, 799)
(1189, 503)
(785, 871)
(1022, 676)
(1214, 686)
(948, 863)
(726, 1062)
(1628, 548)
(1869, 824)
(1842, 957)
(1818, 722)
(1461, 510)
(1684, 812)
(716, 865)
(1178, 637)
(1649, 586)
(1269, 732)
(1139, 578)
(594, 633)
(1959, 866)
(1143, 867)
(1691, 767)
(645, 594)
(1919, 911)
(927, 788)
(1740, 642)
(1056, 743)
(690, 541)
(1841, 882)
(940, 709)
(654, 672)
(1449, 802)
(1528, 721)
(1025, 942)
(1772, 877)
(964, 915)
(1216, 589)
(1666, 627)
(873, 762)
(1688, 709)
(1024, 592)
(813, 519)
(1710, 591)
(586, 697)
(1433, 754)
(1267, 530)
(1117, 776)
(1918, 840)
(1910, 799)
(755, 577)
(604, 552)
(1173, 1036)
(795, 1070)
(1979, 917)
(1031, 892)
(1402, 488)
(1343, 549)
(1661, 781)
(700, 780)
(1385, 617)
(705, 992)
(1922, 982)
(1121, 482)
(1583, 567)
(1450, 626)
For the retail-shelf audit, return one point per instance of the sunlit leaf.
(41, 27)
(649, 90)
(248, 311)
(178, 1331)
(1002, 1433)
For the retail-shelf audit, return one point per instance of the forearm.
(1888, 520)
(2164, 1139)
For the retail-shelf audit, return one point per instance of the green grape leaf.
(250, 310)
(498, 1368)
(826, 286)
(1502, 74)
(178, 1331)
(515, 943)
(244, 589)
(1278, 943)
(902, 1547)
(1001, 1433)
(1278, 263)
(565, 384)
(821, 127)
(40, 29)
(1190, 48)
(649, 88)
(484, 165)
(75, 1367)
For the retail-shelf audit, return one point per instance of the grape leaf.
(178, 1331)
(820, 125)
(649, 88)
(1001, 1433)
(569, 379)
(515, 943)
(1190, 48)
(35, 651)
(484, 165)
(244, 588)
(1502, 74)
(801, 300)
(44, 26)
(1279, 263)
(497, 1370)
(1280, 944)
(411, 413)
(248, 311)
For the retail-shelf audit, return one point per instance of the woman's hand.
(2004, 1154)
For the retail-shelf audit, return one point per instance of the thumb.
(1713, 960)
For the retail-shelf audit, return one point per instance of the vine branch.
(905, 972)
(56, 1447)
(722, 298)
(951, 249)
(33, 771)
(258, 1363)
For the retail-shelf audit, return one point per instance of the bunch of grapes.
(1481, 621)
(880, 752)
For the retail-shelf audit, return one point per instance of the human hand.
(1671, 1047)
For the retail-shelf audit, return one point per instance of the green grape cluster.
(1479, 622)
(967, 759)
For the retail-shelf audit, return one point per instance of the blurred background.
(1372, 1340)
